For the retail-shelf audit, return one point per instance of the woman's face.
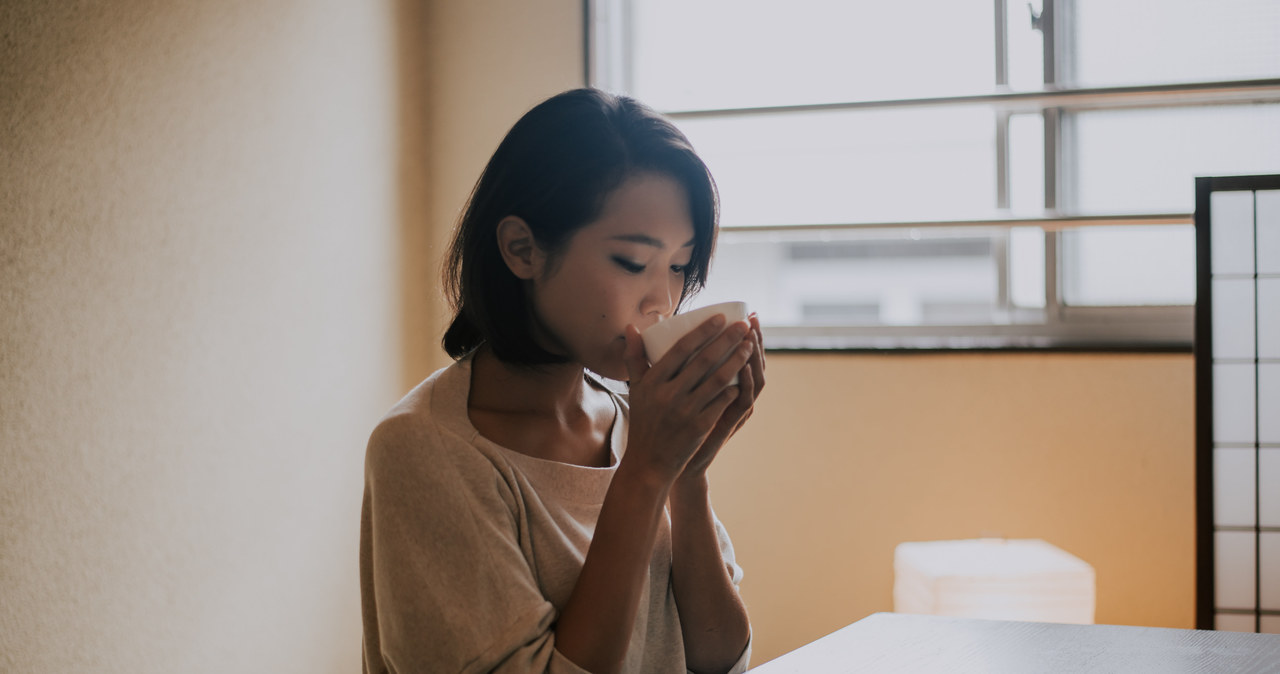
(625, 268)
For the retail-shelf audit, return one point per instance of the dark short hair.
(554, 170)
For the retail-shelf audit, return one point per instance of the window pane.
(1026, 45)
(1234, 403)
(1130, 266)
(1026, 164)
(1180, 40)
(1269, 487)
(691, 54)
(1234, 622)
(1269, 402)
(1268, 231)
(1231, 233)
(1234, 564)
(1268, 317)
(1147, 160)
(1269, 565)
(1234, 478)
(850, 166)
(1233, 324)
(1026, 267)
(859, 277)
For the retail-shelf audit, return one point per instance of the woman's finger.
(734, 414)
(713, 368)
(673, 361)
(755, 327)
(746, 396)
(756, 364)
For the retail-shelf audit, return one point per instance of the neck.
(558, 389)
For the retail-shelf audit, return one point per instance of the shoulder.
(417, 430)
(425, 441)
(406, 426)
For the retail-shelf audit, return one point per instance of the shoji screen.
(1238, 403)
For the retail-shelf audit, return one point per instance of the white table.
(897, 642)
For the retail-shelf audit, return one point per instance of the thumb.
(633, 355)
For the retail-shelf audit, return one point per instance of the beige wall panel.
(849, 455)
(488, 63)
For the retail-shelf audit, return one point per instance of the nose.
(660, 298)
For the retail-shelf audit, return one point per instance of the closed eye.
(628, 266)
(679, 268)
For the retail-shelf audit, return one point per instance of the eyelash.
(633, 268)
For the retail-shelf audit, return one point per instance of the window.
(957, 173)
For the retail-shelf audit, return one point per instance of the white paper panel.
(1233, 327)
(1269, 402)
(1233, 622)
(1269, 488)
(1270, 566)
(1233, 403)
(1271, 624)
(1233, 493)
(1234, 569)
(1269, 232)
(1231, 232)
(1268, 317)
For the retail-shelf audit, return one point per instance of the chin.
(610, 362)
(617, 371)
(611, 365)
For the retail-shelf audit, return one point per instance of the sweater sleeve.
(735, 574)
(445, 585)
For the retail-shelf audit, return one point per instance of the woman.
(519, 515)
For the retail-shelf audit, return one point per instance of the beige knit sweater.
(468, 550)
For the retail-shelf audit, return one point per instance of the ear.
(519, 249)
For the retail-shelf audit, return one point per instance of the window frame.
(1057, 325)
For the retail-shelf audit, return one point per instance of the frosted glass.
(1268, 317)
(1026, 266)
(1026, 165)
(1099, 266)
(1231, 232)
(858, 276)
(1233, 403)
(1181, 40)
(732, 53)
(1128, 160)
(1026, 47)
(1233, 318)
(1268, 231)
(1233, 622)
(1233, 492)
(1269, 549)
(1233, 553)
(1269, 402)
(850, 166)
(1269, 488)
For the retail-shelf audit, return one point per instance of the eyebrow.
(647, 240)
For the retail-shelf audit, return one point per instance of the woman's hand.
(751, 383)
(681, 401)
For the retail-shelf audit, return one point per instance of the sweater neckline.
(449, 401)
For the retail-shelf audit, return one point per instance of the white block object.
(995, 579)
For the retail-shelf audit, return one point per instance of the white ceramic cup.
(661, 336)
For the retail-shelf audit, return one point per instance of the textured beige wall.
(489, 62)
(849, 455)
(200, 296)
